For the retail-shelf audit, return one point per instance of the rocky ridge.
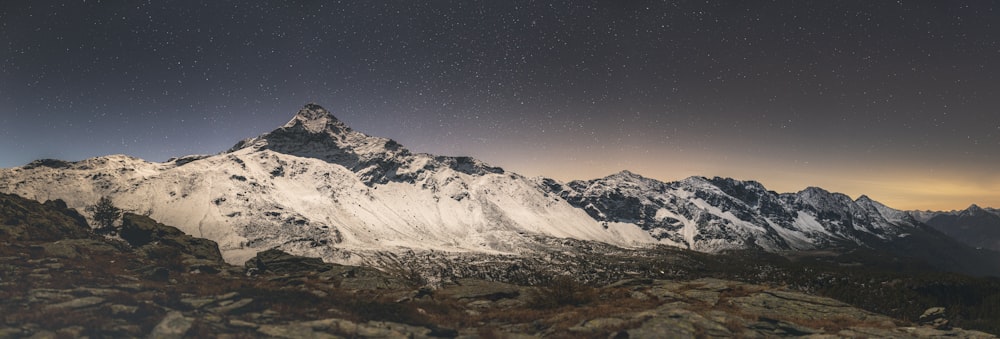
(719, 214)
(976, 226)
(723, 213)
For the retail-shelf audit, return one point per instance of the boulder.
(77, 303)
(277, 261)
(934, 317)
(140, 231)
(174, 325)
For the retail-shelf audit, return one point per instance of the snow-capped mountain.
(316, 187)
(721, 213)
(315, 133)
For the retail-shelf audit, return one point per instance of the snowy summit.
(316, 187)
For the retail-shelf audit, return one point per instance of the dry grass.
(839, 323)
(604, 303)
(560, 292)
(97, 322)
(741, 290)
(832, 324)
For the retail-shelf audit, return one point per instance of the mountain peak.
(813, 190)
(745, 184)
(695, 179)
(625, 174)
(313, 118)
(973, 210)
(313, 111)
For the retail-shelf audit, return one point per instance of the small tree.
(105, 213)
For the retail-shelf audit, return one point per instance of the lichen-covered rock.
(277, 261)
(935, 317)
(141, 231)
(776, 303)
(24, 219)
(678, 323)
(174, 325)
(77, 303)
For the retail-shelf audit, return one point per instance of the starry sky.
(897, 100)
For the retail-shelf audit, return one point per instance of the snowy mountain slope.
(722, 213)
(316, 187)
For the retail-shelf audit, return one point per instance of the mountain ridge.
(328, 192)
(975, 226)
(316, 187)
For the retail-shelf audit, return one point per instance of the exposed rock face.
(277, 261)
(935, 317)
(723, 213)
(718, 214)
(148, 235)
(293, 268)
(24, 219)
(315, 133)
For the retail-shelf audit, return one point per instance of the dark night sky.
(894, 99)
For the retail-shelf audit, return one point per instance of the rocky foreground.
(57, 279)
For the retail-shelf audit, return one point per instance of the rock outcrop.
(160, 242)
(23, 219)
(934, 317)
(277, 261)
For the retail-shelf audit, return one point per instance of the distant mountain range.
(316, 187)
(975, 226)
